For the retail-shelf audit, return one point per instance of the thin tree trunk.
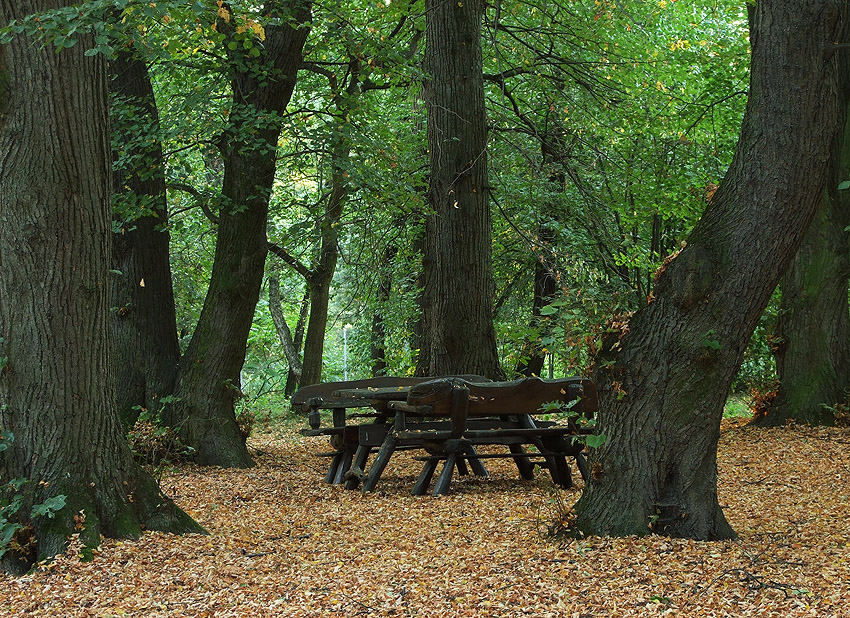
(458, 270)
(283, 333)
(208, 382)
(545, 286)
(664, 375)
(812, 346)
(297, 341)
(145, 348)
(56, 386)
(322, 275)
(378, 343)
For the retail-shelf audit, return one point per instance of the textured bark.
(208, 381)
(812, 345)
(458, 271)
(56, 387)
(664, 381)
(145, 348)
(297, 341)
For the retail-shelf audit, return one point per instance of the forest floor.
(283, 543)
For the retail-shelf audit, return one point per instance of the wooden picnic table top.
(386, 393)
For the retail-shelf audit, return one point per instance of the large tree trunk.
(664, 380)
(458, 271)
(812, 346)
(145, 348)
(208, 382)
(56, 388)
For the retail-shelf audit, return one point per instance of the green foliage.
(12, 497)
(154, 444)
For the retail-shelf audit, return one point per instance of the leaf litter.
(284, 543)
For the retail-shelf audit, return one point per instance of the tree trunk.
(290, 349)
(208, 383)
(545, 286)
(812, 346)
(297, 341)
(320, 278)
(145, 348)
(664, 375)
(458, 268)
(378, 338)
(56, 387)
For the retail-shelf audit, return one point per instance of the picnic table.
(448, 418)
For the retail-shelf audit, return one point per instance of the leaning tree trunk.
(458, 270)
(56, 391)
(812, 345)
(663, 381)
(145, 348)
(208, 382)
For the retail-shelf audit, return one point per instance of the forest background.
(609, 130)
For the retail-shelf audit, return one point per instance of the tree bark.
(56, 387)
(664, 375)
(812, 343)
(458, 271)
(145, 347)
(208, 382)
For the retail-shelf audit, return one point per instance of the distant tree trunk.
(545, 283)
(290, 349)
(208, 382)
(378, 347)
(458, 269)
(56, 387)
(145, 348)
(320, 278)
(545, 287)
(297, 341)
(812, 345)
(664, 375)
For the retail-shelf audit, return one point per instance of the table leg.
(355, 473)
(344, 465)
(445, 480)
(525, 467)
(583, 468)
(381, 461)
(476, 464)
(424, 480)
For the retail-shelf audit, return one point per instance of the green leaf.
(548, 310)
(844, 185)
(595, 440)
(49, 507)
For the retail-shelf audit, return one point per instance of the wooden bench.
(461, 415)
(312, 399)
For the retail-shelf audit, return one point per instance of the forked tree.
(664, 374)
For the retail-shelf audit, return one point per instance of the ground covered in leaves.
(283, 543)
